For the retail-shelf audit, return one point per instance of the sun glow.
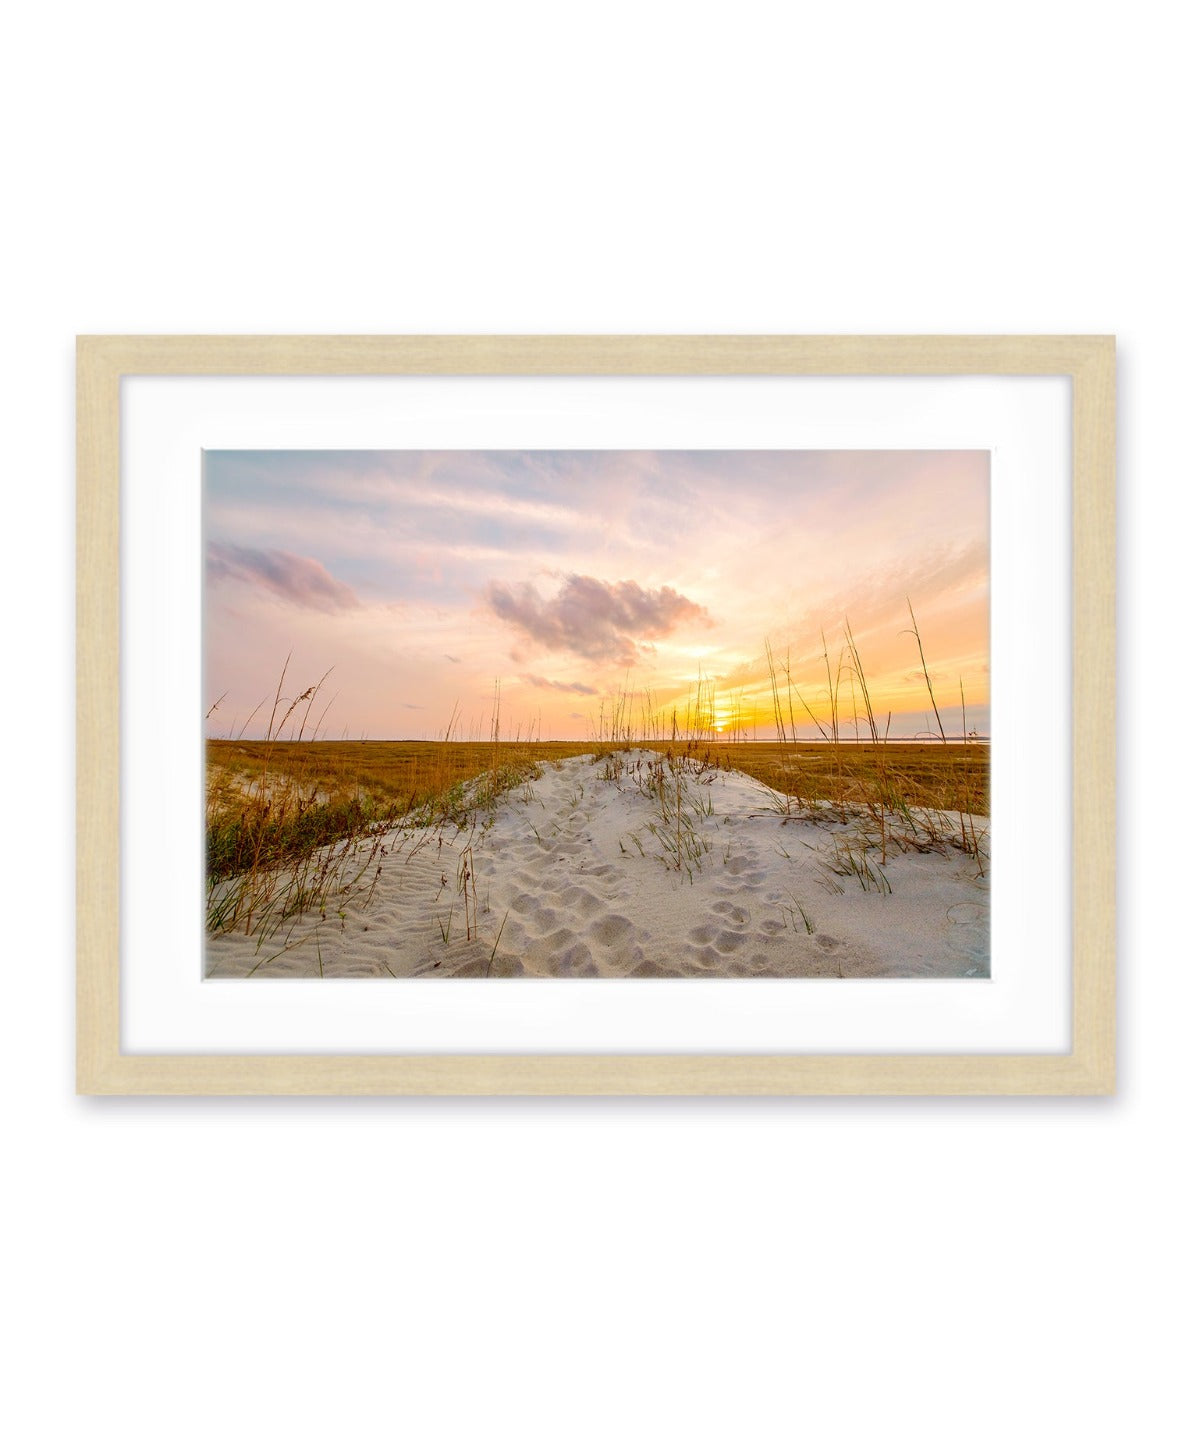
(723, 718)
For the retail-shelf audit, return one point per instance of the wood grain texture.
(97, 712)
(1094, 694)
(102, 1068)
(593, 354)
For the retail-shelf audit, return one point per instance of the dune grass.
(295, 826)
(919, 775)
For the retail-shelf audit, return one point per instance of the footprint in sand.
(580, 901)
(711, 939)
(747, 879)
(652, 969)
(708, 957)
(611, 930)
(576, 961)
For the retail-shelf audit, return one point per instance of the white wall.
(249, 1268)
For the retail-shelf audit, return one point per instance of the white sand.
(580, 873)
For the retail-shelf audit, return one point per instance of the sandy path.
(624, 868)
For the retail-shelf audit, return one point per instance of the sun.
(723, 718)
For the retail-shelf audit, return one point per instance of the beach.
(635, 864)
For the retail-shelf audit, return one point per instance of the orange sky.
(425, 578)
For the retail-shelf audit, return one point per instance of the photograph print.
(596, 714)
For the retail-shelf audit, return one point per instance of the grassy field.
(922, 776)
(401, 774)
(398, 777)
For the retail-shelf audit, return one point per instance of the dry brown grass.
(404, 774)
(921, 776)
(409, 774)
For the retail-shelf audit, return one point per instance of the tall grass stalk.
(937, 714)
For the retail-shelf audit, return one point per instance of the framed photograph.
(596, 715)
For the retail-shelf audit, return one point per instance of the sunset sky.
(424, 579)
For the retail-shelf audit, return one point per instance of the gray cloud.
(591, 617)
(573, 688)
(296, 578)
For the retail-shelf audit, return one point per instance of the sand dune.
(627, 867)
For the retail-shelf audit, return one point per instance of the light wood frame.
(1089, 1067)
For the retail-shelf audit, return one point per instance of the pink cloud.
(593, 618)
(569, 688)
(298, 579)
